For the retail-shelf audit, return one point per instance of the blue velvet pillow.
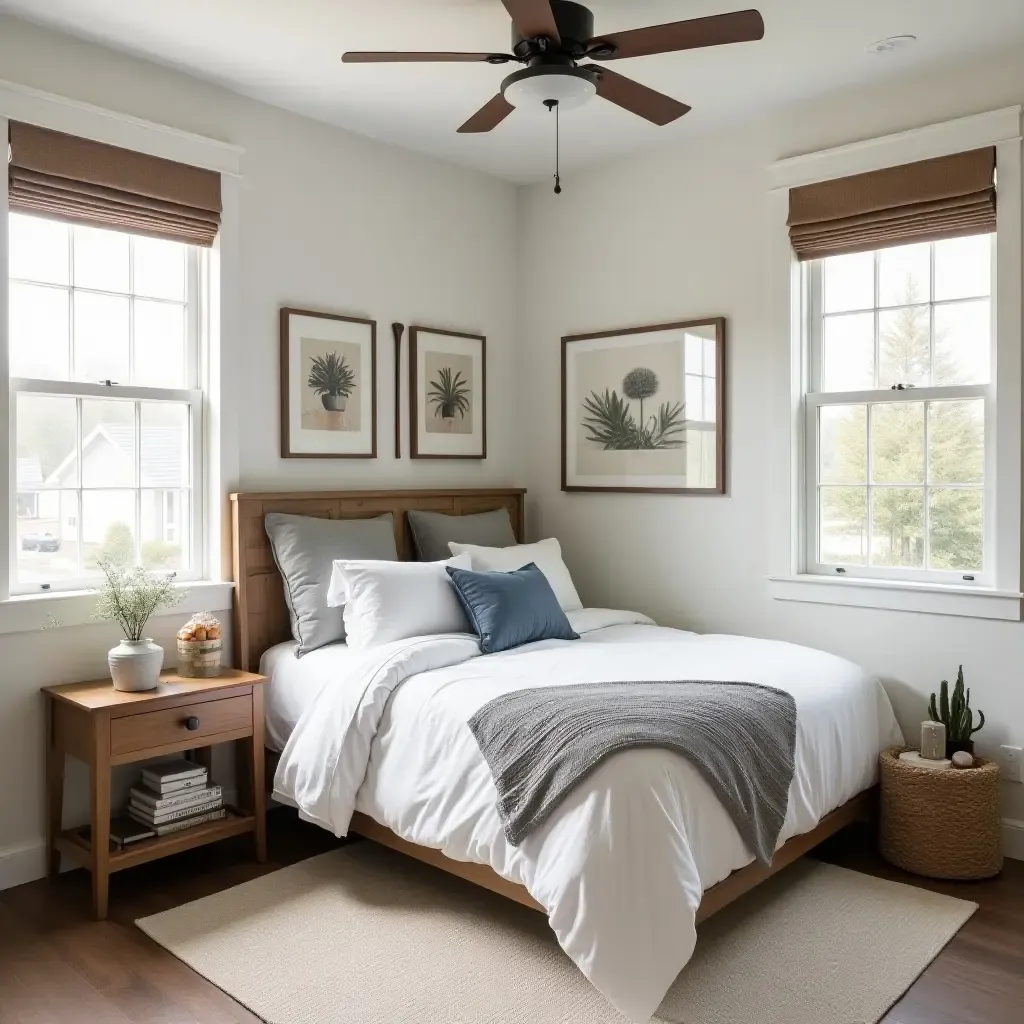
(509, 609)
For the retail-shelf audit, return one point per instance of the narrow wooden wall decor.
(398, 330)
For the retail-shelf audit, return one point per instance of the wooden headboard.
(260, 614)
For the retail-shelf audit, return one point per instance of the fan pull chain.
(553, 105)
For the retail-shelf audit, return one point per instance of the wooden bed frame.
(261, 620)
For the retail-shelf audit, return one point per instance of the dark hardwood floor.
(57, 965)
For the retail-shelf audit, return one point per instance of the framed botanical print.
(643, 409)
(447, 394)
(328, 386)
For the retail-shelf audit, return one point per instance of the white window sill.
(930, 598)
(27, 613)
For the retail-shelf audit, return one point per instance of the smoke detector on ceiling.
(891, 43)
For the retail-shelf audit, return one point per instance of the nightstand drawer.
(171, 726)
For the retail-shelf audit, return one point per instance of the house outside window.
(104, 361)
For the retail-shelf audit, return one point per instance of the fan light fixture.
(569, 87)
(551, 37)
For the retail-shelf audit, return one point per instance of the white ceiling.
(286, 52)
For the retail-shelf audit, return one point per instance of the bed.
(391, 785)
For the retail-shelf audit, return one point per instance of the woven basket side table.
(941, 824)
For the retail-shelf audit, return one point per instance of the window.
(900, 409)
(107, 417)
(700, 369)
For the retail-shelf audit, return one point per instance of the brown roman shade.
(88, 182)
(920, 202)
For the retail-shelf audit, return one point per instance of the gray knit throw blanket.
(541, 743)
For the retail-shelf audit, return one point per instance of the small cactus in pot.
(956, 715)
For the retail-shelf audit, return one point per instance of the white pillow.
(546, 554)
(386, 601)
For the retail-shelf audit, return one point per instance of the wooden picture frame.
(614, 445)
(455, 429)
(342, 350)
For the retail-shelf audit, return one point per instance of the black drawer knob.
(192, 723)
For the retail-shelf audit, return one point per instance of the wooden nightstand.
(104, 727)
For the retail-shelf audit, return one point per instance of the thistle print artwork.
(610, 423)
(447, 400)
(643, 408)
(328, 384)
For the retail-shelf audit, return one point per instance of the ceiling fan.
(551, 37)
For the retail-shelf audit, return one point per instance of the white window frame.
(815, 398)
(190, 396)
(792, 574)
(221, 348)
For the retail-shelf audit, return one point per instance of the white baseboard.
(19, 864)
(1013, 838)
(27, 862)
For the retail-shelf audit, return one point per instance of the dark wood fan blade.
(739, 27)
(637, 98)
(533, 18)
(364, 57)
(489, 116)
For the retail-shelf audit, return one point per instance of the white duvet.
(621, 865)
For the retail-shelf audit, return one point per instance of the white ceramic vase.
(135, 664)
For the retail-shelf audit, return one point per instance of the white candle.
(933, 741)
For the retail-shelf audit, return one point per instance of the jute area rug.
(362, 935)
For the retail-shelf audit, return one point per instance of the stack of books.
(175, 795)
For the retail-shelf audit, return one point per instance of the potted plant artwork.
(955, 713)
(332, 379)
(608, 419)
(449, 394)
(129, 597)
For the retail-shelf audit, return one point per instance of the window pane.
(47, 432)
(897, 443)
(843, 444)
(165, 523)
(694, 408)
(843, 518)
(710, 404)
(710, 358)
(108, 443)
(956, 442)
(955, 528)
(849, 282)
(849, 356)
(904, 351)
(101, 338)
(159, 269)
(39, 332)
(101, 259)
(963, 267)
(47, 537)
(694, 353)
(108, 528)
(159, 344)
(962, 343)
(904, 275)
(897, 526)
(165, 445)
(39, 249)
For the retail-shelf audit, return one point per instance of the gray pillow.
(305, 548)
(433, 531)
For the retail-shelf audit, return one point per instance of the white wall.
(683, 233)
(328, 221)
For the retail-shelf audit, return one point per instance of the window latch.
(108, 383)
